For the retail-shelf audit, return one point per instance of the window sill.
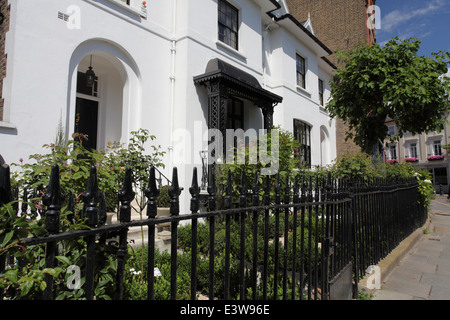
(7, 125)
(304, 91)
(230, 49)
(139, 12)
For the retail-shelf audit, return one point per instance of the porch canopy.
(222, 81)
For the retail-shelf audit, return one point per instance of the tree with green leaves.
(391, 81)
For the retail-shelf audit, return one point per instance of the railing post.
(53, 199)
(266, 235)
(296, 199)
(255, 203)
(152, 193)
(126, 196)
(287, 201)
(212, 189)
(277, 236)
(194, 190)
(354, 238)
(174, 193)
(242, 204)
(227, 206)
(90, 211)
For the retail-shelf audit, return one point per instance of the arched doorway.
(109, 108)
(98, 107)
(324, 146)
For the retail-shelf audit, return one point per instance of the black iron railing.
(314, 232)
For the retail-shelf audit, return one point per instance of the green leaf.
(64, 259)
(26, 287)
(7, 238)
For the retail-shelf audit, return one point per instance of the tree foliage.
(391, 81)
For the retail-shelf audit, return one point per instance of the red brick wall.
(339, 24)
(4, 27)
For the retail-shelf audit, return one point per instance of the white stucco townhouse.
(175, 67)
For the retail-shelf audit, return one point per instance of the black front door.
(86, 117)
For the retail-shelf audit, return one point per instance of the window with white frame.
(413, 150)
(228, 24)
(302, 133)
(392, 152)
(136, 6)
(301, 71)
(437, 148)
(321, 92)
(391, 130)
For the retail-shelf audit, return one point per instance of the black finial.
(212, 189)
(53, 199)
(267, 191)
(278, 189)
(91, 199)
(102, 209)
(243, 191)
(296, 190)
(174, 193)
(126, 195)
(194, 190)
(5, 185)
(152, 193)
(255, 190)
(71, 207)
(228, 191)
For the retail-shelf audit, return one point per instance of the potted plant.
(436, 157)
(163, 203)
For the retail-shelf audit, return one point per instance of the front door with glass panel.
(86, 118)
(86, 112)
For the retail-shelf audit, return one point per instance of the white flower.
(157, 273)
(428, 181)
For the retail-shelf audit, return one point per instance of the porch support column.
(217, 118)
(217, 105)
(267, 110)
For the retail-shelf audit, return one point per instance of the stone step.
(137, 234)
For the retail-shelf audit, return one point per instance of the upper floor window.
(135, 6)
(391, 130)
(301, 71)
(413, 150)
(228, 24)
(393, 152)
(321, 92)
(437, 148)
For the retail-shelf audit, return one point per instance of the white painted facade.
(146, 60)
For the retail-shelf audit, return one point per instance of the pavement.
(419, 269)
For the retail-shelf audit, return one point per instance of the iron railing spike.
(53, 199)
(152, 192)
(174, 193)
(194, 190)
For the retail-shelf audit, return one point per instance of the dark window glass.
(302, 133)
(228, 24)
(301, 72)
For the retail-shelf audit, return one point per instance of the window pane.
(228, 24)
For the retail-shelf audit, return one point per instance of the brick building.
(4, 27)
(340, 24)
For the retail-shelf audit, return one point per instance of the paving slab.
(424, 271)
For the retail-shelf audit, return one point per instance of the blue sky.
(427, 20)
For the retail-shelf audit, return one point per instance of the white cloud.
(397, 17)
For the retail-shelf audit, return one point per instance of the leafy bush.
(25, 280)
(163, 200)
